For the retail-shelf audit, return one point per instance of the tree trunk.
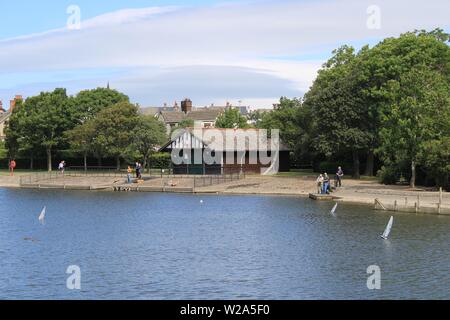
(412, 182)
(144, 165)
(31, 162)
(49, 159)
(99, 161)
(118, 163)
(85, 161)
(369, 164)
(355, 164)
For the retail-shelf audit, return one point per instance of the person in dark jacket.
(339, 175)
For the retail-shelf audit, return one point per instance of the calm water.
(169, 246)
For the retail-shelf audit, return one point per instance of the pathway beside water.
(353, 191)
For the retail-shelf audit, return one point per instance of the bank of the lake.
(365, 192)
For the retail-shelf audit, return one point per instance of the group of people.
(323, 181)
(138, 170)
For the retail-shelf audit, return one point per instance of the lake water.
(172, 246)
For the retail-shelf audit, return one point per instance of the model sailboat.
(42, 215)
(387, 231)
(334, 210)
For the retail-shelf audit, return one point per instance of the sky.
(245, 52)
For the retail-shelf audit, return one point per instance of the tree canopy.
(231, 118)
(389, 101)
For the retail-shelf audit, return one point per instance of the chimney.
(186, 105)
(12, 103)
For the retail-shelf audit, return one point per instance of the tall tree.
(89, 102)
(390, 60)
(148, 134)
(41, 122)
(115, 129)
(82, 138)
(419, 114)
(338, 108)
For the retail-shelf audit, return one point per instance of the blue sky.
(43, 15)
(211, 51)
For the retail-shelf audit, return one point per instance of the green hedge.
(160, 160)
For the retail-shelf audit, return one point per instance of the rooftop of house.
(153, 111)
(197, 114)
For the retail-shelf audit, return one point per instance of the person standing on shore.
(339, 175)
(61, 166)
(137, 169)
(12, 166)
(129, 171)
(326, 183)
(319, 183)
(140, 171)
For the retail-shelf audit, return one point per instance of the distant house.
(205, 116)
(172, 117)
(155, 111)
(6, 114)
(232, 156)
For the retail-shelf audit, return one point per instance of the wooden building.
(219, 151)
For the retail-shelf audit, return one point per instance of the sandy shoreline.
(397, 198)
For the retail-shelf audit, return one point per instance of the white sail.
(386, 232)
(334, 209)
(42, 215)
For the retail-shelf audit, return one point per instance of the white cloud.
(228, 38)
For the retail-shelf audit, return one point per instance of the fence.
(55, 175)
(164, 177)
(204, 181)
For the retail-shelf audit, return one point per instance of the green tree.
(40, 123)
(231, 118)
(435, 158)
(419, 114)
(89, 102)
(114, 127)
(3, 150)
(148, 134)
(21, 138)
(338, 108)
(82, 138)
(295, 124)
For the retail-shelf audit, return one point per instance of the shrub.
(160, 160)
(388, 175)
